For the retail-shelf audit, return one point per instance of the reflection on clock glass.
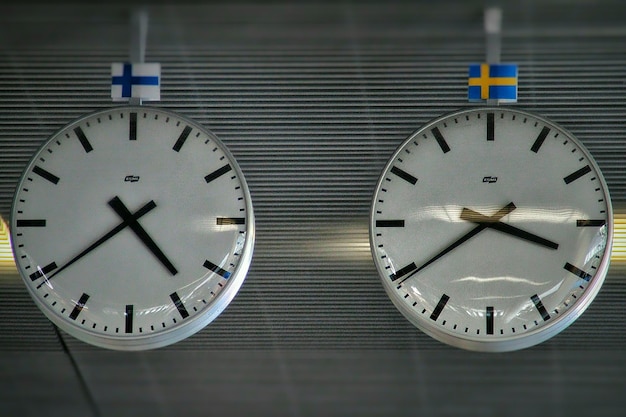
(491, 229)
(131, 223)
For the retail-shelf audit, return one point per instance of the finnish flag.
(141, 81)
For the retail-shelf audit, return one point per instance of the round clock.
(132, 228)
(491, 229)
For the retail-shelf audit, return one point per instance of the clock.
(491, 229)
(132, 228)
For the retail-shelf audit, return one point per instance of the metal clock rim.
(507, 343)
(195, 323)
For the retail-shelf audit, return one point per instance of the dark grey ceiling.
(312, 98)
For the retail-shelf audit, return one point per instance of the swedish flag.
(492, 82)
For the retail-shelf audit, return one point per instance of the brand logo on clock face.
(131, 178)
(490, 179)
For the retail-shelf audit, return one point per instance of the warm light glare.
(7, 263)
(618, 255)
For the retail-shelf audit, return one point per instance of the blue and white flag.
(141, 81)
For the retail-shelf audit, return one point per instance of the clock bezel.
(183, 329)
(500, 343)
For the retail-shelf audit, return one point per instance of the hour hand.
(481, 226)
(119, 207)
(496, 224)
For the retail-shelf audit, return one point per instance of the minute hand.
(471, 215)
(500, 214)
(144, 210)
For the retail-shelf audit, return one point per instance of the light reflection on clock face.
(132, 227)
(491, 229)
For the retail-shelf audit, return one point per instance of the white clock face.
(132, 228)
(491, 229)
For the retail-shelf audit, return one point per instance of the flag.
(492, 82)
(135, 80)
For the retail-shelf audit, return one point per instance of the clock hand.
(501, 213)
(493, 223)
(132, 222)
(139, 213)
(455, 244)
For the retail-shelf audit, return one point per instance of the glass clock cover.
(491, 229)
(132, 228)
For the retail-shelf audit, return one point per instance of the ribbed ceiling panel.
(312, 100)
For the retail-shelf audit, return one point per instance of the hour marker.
(403, 271)
(182, 138)
(218, 173)
(31, 223)
(221, 221)
(128, 315)
(404, 175)
(46, 175)
(440, 140)
(542, 310)
(132, 127)
(489, 317)
(590, 223)
(577, 271)
(210, 265)
(179, 305)
(79, 306)
(490, 127)
(83, 139)
(43, 271)
(539, 141)
(577, 174)
(389, 223)
(439, 308)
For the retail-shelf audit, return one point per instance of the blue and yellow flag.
(492, 82)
